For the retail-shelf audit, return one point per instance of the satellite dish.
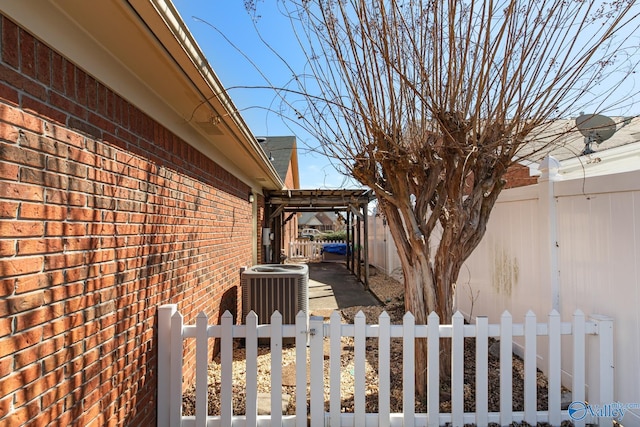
(595, 128)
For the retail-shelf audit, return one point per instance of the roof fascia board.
(83, 49)
(612, 160)
(185, 48)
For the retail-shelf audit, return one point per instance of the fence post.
(578, 382)
(164, 362)
(604, 325)
(175, 371)
(549, 168)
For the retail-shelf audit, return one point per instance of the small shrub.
(335, 235)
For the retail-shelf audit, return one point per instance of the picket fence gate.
(308, 249)
(309, 335)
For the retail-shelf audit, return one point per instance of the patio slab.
(332, 287)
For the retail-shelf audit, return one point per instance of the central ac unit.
(270, 287)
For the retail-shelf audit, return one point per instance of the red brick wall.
(518, 176)
(261, 221)
(104, 216)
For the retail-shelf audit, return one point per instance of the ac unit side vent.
(266, 289)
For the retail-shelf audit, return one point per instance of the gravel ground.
(389, 291)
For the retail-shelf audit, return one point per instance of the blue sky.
(233, 22)
(226, 22)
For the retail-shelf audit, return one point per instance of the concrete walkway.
(332, 287)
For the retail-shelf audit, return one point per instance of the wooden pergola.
(283, 205)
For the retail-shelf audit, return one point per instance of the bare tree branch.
(429, 103)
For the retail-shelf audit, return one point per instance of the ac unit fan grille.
(264, 295)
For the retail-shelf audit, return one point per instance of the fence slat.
(164, 363)
(251, 352)
(202, 365)
(482, 367)
(384, 369)
(301, 369)
(555, 365)
(433, 369)
(359, 361)
(605, 363)
(408, 369)
(276, 368)
(335, 398)
(530, 373)
(316, 379)
(175, 414)
(506, 365)
(579, 363)
(457, 370)
(226, 368)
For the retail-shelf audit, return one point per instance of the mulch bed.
(395, 308)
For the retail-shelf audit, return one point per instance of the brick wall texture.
(518, 176)
(104, 216)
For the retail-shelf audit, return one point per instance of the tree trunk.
(419, 272)
(414, 302)
(429, 278)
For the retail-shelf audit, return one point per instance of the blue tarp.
(335, 248)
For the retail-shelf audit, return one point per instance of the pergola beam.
(354, 202)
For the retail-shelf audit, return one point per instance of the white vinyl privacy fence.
(310, 340)
(566, 244)
(561, 244)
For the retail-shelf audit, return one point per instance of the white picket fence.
(308, 249)
(309, 338)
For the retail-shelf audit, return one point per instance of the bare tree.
(429, 103)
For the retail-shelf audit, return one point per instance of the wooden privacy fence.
(309, 338)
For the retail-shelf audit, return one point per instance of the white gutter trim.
(178, 27)
(79, 47)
